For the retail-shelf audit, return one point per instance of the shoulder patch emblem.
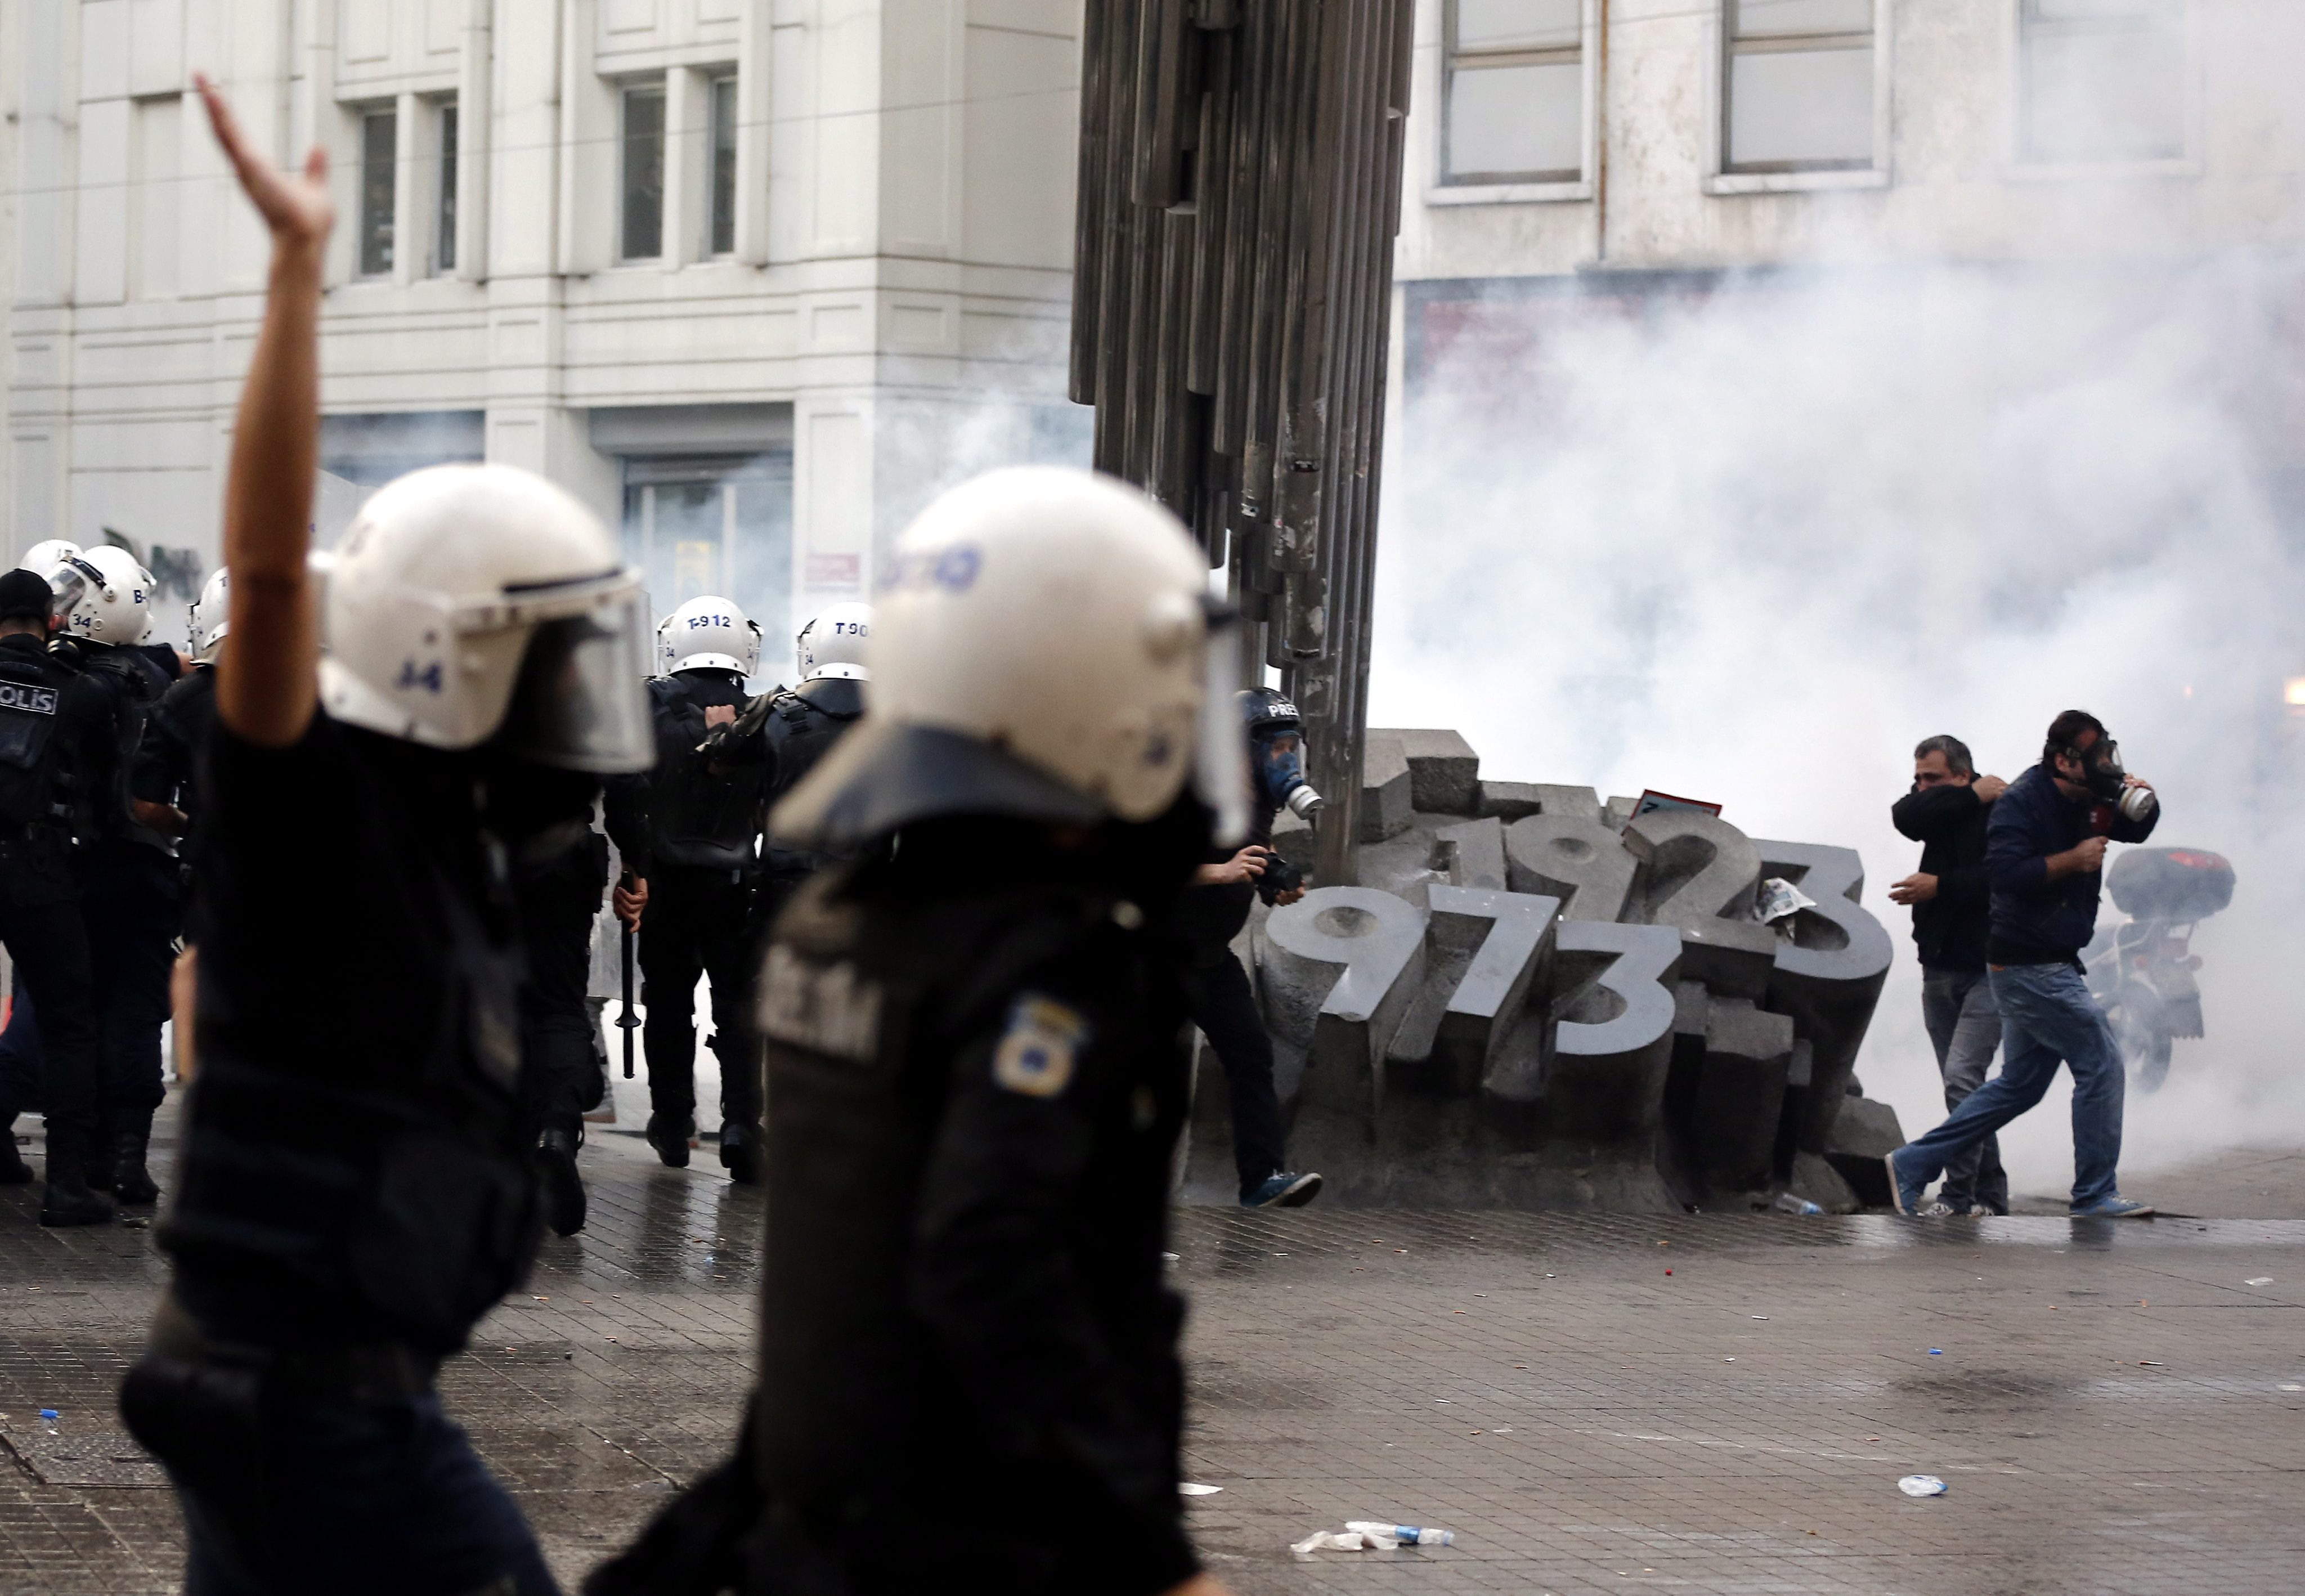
(1037, 1054)
(823, 1008)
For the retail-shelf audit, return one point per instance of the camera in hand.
(1280, 876)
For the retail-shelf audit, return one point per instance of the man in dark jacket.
(2044, 857)
(1945, 813)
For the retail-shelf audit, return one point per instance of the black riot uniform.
(356, 1183)
(167, 768)
(49, 723)
(975, 1082)
(703, 870)
(131, 897)
(559, 876)
(791, 728)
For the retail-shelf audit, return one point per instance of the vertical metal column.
(1241, 180)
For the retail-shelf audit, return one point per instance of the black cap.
(25, 595)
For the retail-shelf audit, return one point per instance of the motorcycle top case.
(2170, 883)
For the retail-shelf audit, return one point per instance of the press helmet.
(833, 644)
(211, 617)
(1044, 647)
(104, 596)
(708, 634)
(46, 556)
(468, 602)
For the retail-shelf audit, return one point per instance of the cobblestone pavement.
(1708, 1404)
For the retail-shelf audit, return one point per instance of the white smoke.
(1752, 547)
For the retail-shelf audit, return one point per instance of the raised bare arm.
(267, 683)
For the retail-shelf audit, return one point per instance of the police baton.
(625, 1022)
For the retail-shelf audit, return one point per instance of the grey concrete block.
(1578, 860)
(1617, 811)
(1387, 802)
(1862, 1134)
(1444, 772)
(1740, 1096)
(1696, 874)
(1829, 976)
(1822, 1184)
(1476, 850)
(1613, 1039)
(1342, 966)
(1509, 801)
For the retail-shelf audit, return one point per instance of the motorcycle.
(2142, 972)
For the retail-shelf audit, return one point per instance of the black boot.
(131, 1182)
(14, 1170)
(68, 1199)
(669, 1133)
(564, 1188)
(740, 1152)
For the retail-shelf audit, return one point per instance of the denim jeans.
(373, 1497)
(2048, 1017)
(1964, 1023)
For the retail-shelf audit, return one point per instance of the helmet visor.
(578, 703)
(1221, 775)
(70, 582)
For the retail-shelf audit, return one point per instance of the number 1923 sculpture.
(1530, 999)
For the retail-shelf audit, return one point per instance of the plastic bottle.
(48, 1417)
(1407, 1534)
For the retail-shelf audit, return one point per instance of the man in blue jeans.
(2044, 857)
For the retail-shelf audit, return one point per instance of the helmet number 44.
(411, 678)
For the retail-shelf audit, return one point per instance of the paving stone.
(2107, 1405)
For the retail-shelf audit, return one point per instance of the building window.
(443, 211)
(2102, 80)
(379, 169)
(1514, 93)
(644, 172)
(721, 229)
(1797, 80)
(155, 243)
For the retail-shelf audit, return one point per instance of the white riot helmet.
(1044, 647)
(708, 634)
(103, 596)
(467, 601)
(44, 558)
(833, 644)
(211, 617)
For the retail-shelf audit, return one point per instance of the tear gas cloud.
(1751, 544)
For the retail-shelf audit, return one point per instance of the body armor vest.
(698, 819)
(864, 1008)
(400, 1209)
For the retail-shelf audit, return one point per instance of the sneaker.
(564, 1202)
(669, 1136)
(1978, 1210)
(1904, 1196)
(1938, 1211)
(1280, 1189)
(2114, 1208)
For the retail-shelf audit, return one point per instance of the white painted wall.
(903, 230)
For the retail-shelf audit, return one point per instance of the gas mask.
(1276, 748)
(2107, 778)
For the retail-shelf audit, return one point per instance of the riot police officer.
(356, 1188)
(130, 884)
(703, 870)
(967, 1365)
(792, 729)
(558, 879)
(1212, 915)
(47, 723)
(162, 782)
